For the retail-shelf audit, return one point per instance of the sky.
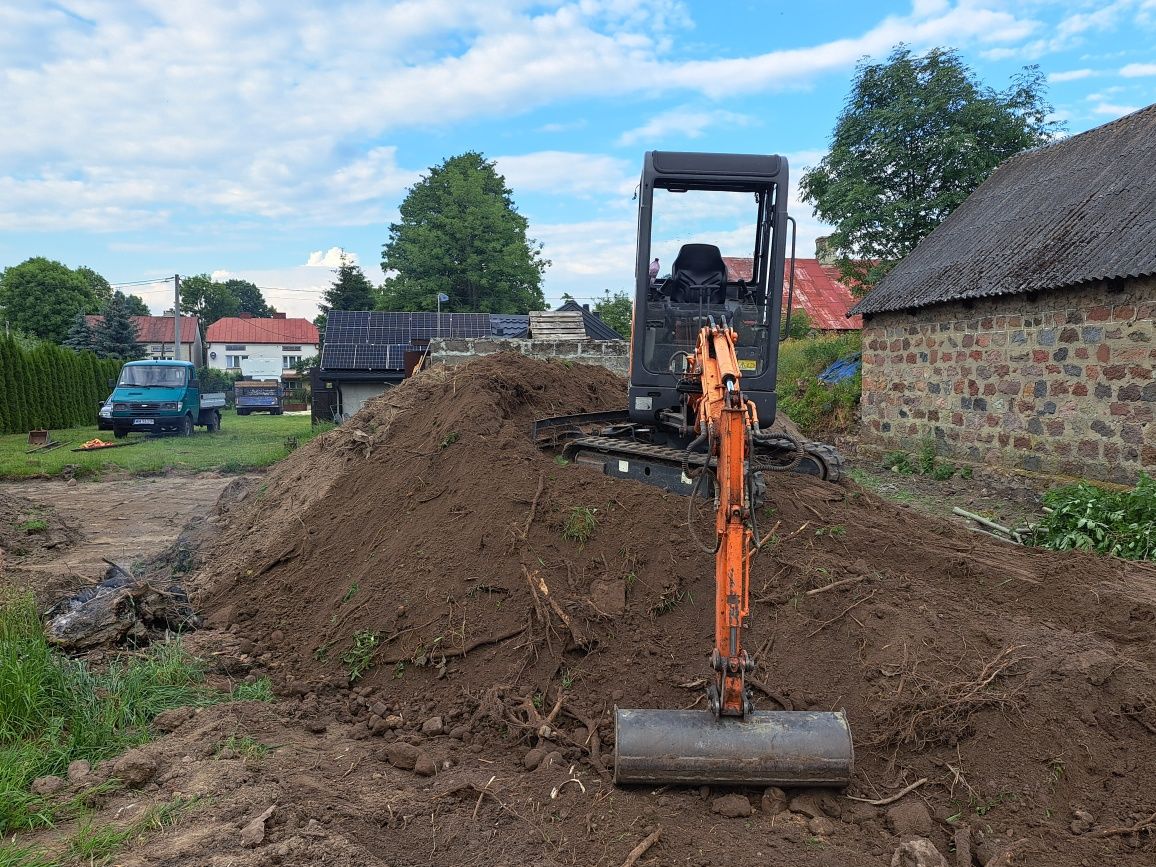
(261, 138)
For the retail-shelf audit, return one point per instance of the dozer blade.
(767, 748)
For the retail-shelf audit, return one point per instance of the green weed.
(669, 601)
(580, 524)
(449, 439)
(359, 657)
(817, 408)
(34, 525)
(1084, 517)
(96, 844)
(350, 593)
(244, 746)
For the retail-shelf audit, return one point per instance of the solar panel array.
(359, 340)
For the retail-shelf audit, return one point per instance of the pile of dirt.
(495, 604)
(30, 532)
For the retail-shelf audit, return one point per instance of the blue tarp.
(842, 369)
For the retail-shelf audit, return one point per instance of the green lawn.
(242, 444)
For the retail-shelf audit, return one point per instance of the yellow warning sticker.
(748, 364)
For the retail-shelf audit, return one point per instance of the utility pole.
(177, 317)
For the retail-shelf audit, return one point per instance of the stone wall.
(1060, 382)
(614, 354)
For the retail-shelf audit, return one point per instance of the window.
(234, 361)
(288, 362)
(290, 348)
(234, 347)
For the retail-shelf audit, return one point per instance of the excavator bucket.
(765, 748)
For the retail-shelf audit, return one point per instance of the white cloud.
(568, 172)
(683, 123)
(1136, 70)
(330, 258)
(1111, 109)
(1071, 75)
(126, 101)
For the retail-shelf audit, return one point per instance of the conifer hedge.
(49, 386)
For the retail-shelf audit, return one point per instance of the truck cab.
(162, 396)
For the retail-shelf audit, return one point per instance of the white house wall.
(270, 351)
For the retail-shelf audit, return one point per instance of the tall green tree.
(41, 297)
(616, 310)
(101, 289)
(79, 334)
(204, 297)
(916, 135)
(350, 290)
(249, 298)
(460, 235)
(137, 306)
(116, 335)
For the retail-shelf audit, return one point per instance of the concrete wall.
(1057, 383)
(613, 354)
(354, 394)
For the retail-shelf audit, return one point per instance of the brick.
(1049, 408)
(1103, 353)
(1069, 335)
(1035, 426)
(1022, 442)
(1098, 314)
(1082, 352)
(1039, 355)
(1139, 336)
(1148, 393)
(967, 341)
(1124, 311)
(1115, 372)
(1046, 337)
(989, 389)
(1092, 333)
(1079, 390)
(1060, 354)
(1073, 370)
(1132, 434)
(1074, 317)
(1130, 392)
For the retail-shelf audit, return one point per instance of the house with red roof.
(238, 343)
(156, 334)
(819, 292)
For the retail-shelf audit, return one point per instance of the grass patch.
(244, 443)
(259, 690)
(34, 525)
(924, 462)
(96, 844)
(818, 408)
(1084, 517)
(54, 710)
(580, 524)
(244, 747)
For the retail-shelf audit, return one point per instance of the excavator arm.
(728, 421)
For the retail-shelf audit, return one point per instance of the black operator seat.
(698, 276)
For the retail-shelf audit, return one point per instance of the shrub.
(818, 408)
(1088, 518)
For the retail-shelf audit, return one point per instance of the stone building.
(1020, 332)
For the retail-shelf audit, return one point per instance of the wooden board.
(557, 325)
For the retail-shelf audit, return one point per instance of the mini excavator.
(700, 421)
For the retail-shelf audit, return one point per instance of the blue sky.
(256, 138)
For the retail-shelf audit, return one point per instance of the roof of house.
(509, 324)
(1078, 210)
(158, 329)
(234, 329)
(819, 292)
(596, 329)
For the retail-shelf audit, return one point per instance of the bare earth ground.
(1017, 684)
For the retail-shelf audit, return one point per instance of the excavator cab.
(701, 197)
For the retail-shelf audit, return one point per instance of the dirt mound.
(429, 548)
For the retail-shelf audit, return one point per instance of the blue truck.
(258, 395)
(161, 396)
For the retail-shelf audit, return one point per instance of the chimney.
(823, 251)
(244, 315)
(278, 315)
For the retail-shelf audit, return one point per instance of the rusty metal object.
(766, 748)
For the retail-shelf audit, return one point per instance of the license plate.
(748, 364)
(143, 421)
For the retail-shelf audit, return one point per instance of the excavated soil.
(31, 532)
(498, 604)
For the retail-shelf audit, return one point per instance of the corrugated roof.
(233, 329)
(158, 329)
(596, 329)
(1079, 210)
(819, 291)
